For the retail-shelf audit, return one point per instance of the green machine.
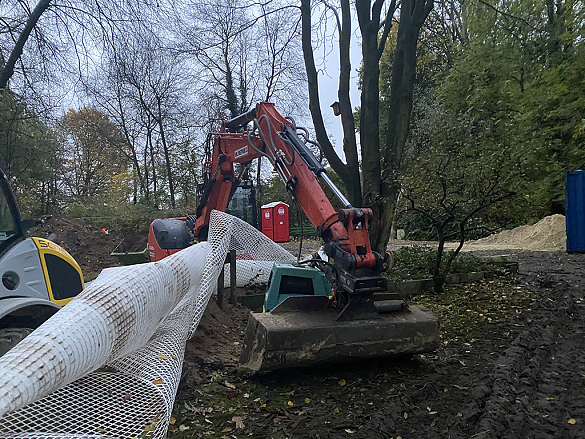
(289, 280)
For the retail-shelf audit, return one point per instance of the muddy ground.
(519, 377)
(524, 377)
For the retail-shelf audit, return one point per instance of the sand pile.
(546, 235)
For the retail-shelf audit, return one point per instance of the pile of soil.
(216, 344)
(549, 234)
(132, 243)
(89, 246)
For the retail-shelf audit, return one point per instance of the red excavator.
(308, 324)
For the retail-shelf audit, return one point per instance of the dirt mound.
(89, 246)
(546, 235)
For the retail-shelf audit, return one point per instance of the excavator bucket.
(303, 331)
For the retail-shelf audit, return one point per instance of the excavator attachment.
(306, 331)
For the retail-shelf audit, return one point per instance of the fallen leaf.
(238, 421)
(276, 420)
(432, 413)
(459, 415)
(263, 405)
(307, 400)
(158, 382)
(462, 362)
(342, 382)
(246, 395)
(549, 399)
(572, 421)
(172, 420)
(229, 385)
(405, 415)
(162, 357)
(460, 387)
(127, 397)
(348, 431)
(290, 403)
(183, 427)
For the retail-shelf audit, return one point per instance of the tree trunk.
(348, 177)
(438, 278)
(153, 164)
(31, 22)
(369, 118)
(413, 13)
(353, 184)
(379, 190)
(132, 150)
(232, 100)
(166, 151)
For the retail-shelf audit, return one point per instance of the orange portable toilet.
(275, 223)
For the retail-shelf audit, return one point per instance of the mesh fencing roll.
(108, 364)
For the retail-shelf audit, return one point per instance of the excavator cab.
(243, 203)
(12, 228)
(38, 276)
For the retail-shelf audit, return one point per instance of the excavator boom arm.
(275, 138)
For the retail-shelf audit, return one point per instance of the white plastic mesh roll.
(108, 364)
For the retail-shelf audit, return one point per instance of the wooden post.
(220, 284)
(232, 257)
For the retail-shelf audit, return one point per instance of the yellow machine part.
(47, 247)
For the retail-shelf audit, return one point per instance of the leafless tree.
(379, 159)
(247, 54)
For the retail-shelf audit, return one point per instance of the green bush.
(418, 261)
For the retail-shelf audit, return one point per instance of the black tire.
(10, 337)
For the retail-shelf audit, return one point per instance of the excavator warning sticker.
(241, 152)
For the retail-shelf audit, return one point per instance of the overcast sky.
(328, 84)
